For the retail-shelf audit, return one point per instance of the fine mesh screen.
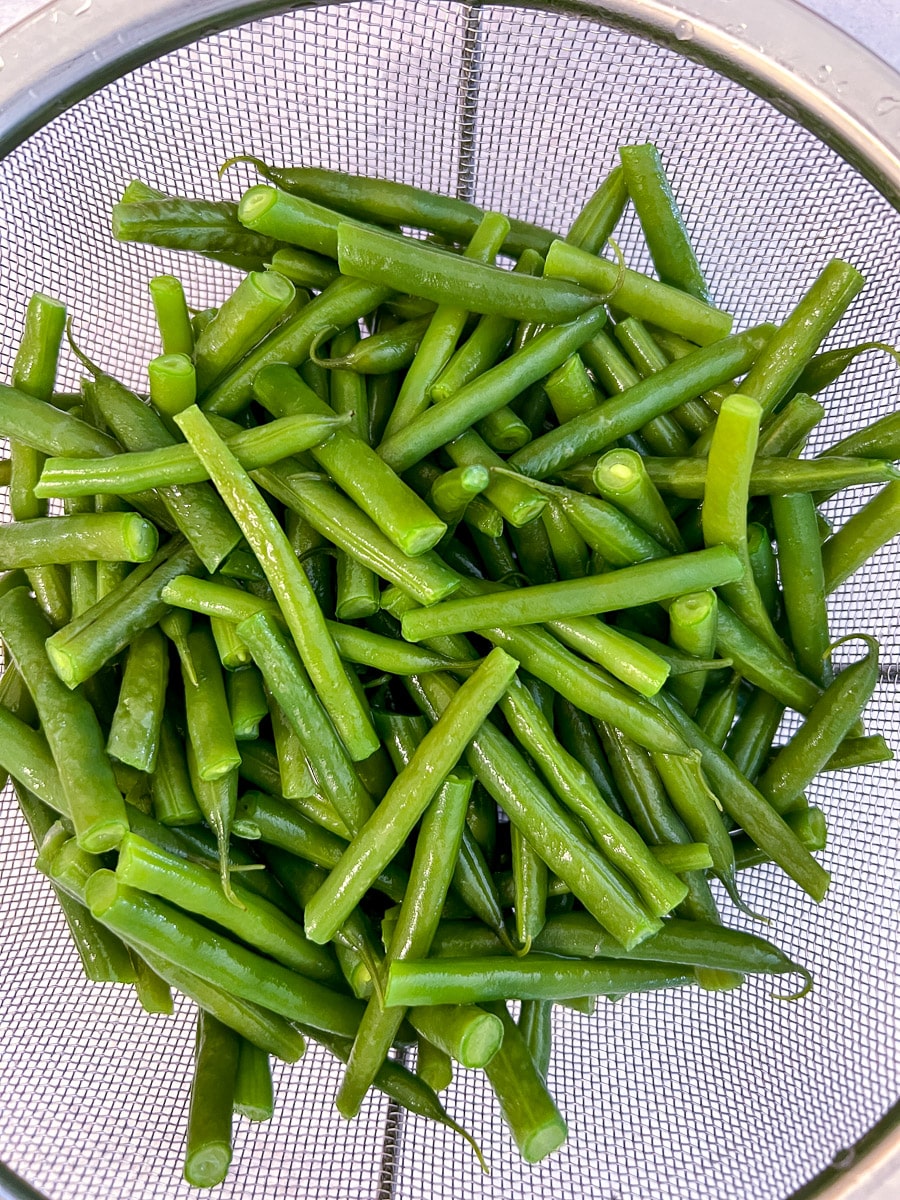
(682, 1096)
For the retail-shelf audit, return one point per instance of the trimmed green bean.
(296, 599)
(173, 797)
(73, 733)
(450, 418)
(803, 583)
(797, 339)
(861, 536)
(147, 921)
(621, 478)
(515, 500)
(661, 220)
(444, 331)
(82, 537)
(134, 737)
(632, 409)
(408, 796)
(692, 628)
(254, 1097)
(288, 682)
(687, 477)
(639, 584)
(359, 471)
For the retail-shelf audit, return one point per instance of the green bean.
(70, 726)
(357, 469)
(536, 1027)
(687, 477)
(25, 755)
(606, 529)
(395, 1081)
(786, 429)
(640, 296)
(662, 433)
(357, 593)
(170, 786)
(433, 1066)
(50, 430)
(761, 557)
(620, 478)
(135, 733)
(533, 977)
(803, 582)
(504, 430)
(207, 227)
(692, 628)
(194, 888)
(209, 728)
(147, 921)
(861, 536)
(568, 547)
(827, 724)
(730, 462)
(347, 394)
(263, 1028)
(881, 439)
(425, 270)
(718, 710)
(282, 826)
(661, 220)
(426, 577)
(797, 339)
(388, 202)
(514, 499)
(472, 878)
(286, 679)
(694, 416)
(82, 537)
(570, 390)
(631, 410)
(760, 665)
(449, 418)
(659, 890)
(595, 223)
(253, 1094)
(639, 584)
(744, 804)
(298, 604)
(486, 343)
(304, 268)
(578, 736)
(344, 301)
(437, 846)
(753, 733)
(444, 331)
(451, 491)
(83, 574)
(859, 752)
(172, 315)
(533, 553)
(529, 873)
(176, 626)
(505, 775)
(382, 396)
(232, 651)
(808, 825)
(253, 309)
(197, 511)
(408, 796)
(295, 780)
(173, 383)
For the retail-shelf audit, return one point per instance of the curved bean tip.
(871, 642)
(80, 354)
(620, 276)
(525, 948)
(731, 888)
(323, 336)
(808, 984)
(261, 166)
(464, 1133)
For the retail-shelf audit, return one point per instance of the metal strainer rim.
(776, 54)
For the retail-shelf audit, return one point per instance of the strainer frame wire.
(773, 54)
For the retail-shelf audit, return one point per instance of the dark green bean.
(629, 411)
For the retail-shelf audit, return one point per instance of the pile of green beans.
(417, 639)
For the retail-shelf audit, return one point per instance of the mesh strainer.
(669, 1097)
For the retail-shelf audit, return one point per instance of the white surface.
(875, 23)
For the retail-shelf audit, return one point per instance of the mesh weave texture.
(671, 1097)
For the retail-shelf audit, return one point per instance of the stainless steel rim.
(794, 59)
